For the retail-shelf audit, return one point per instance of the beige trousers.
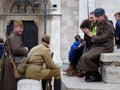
(54, 73)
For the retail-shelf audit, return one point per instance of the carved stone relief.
(22, 8)
(25, 7)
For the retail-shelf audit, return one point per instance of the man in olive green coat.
(41, 64)
(103, 42)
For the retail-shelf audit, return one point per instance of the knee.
(58, 74)
(85, 57)
(58, 71)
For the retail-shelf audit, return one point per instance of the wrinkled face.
(117, 17)
(92, 18)
(100, 18)
(18, 30)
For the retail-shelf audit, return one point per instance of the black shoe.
(93, 79)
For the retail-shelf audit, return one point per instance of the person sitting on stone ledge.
(102, 42)
(75, 53)
(42, 66)
(91, 25)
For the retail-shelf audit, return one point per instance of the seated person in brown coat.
(41, 65)
(102, 42)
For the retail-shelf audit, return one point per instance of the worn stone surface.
(28, 84)
(75, 83)
(111, 67)
(111, 74)
(110, 57)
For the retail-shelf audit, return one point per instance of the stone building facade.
(62, 24)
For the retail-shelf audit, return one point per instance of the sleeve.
(17, 47)
(48, 60)
(117, 29)
(103, 37)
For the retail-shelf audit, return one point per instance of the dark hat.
(18, 23)
(99, 12)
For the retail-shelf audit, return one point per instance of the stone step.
(76, 83)
(110, 64)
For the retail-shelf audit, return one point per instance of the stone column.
(55, 32)
(2, 29)
(55, 39)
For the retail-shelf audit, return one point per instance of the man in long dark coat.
(102, 43)
(9, 81)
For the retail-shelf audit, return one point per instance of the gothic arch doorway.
(30, 33)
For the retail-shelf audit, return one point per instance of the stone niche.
(110, 67)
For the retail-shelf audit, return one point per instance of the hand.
(26, 48)
(87, 31)
(79, 45)
(117, 38)
(57, 66)
(84, 30)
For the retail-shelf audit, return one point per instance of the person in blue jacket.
(75, 53)
(75, 44)
(1, 47)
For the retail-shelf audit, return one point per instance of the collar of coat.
(45, 44)
(14, 33)
(103, 23)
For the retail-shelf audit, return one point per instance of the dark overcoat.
(9, 82)
(103, 42)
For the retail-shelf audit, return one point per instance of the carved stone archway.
(9, 4)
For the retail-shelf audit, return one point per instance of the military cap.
(18, 23)
(99, 12)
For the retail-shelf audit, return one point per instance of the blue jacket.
(1, 50)
(73, 46)
(117, 29)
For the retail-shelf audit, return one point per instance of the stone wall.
(69, 25)
(110, 6)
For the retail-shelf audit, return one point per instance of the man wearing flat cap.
(103, 42)
(14, 41)
(42, 66)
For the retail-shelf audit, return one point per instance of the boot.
(44, 82)
(70, 67)
(57, 84)
(73, 72)
(95, 77)
(87, 76)
(81, 73)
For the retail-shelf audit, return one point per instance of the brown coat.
(9, 82)
(103, 42)
(41, 56)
